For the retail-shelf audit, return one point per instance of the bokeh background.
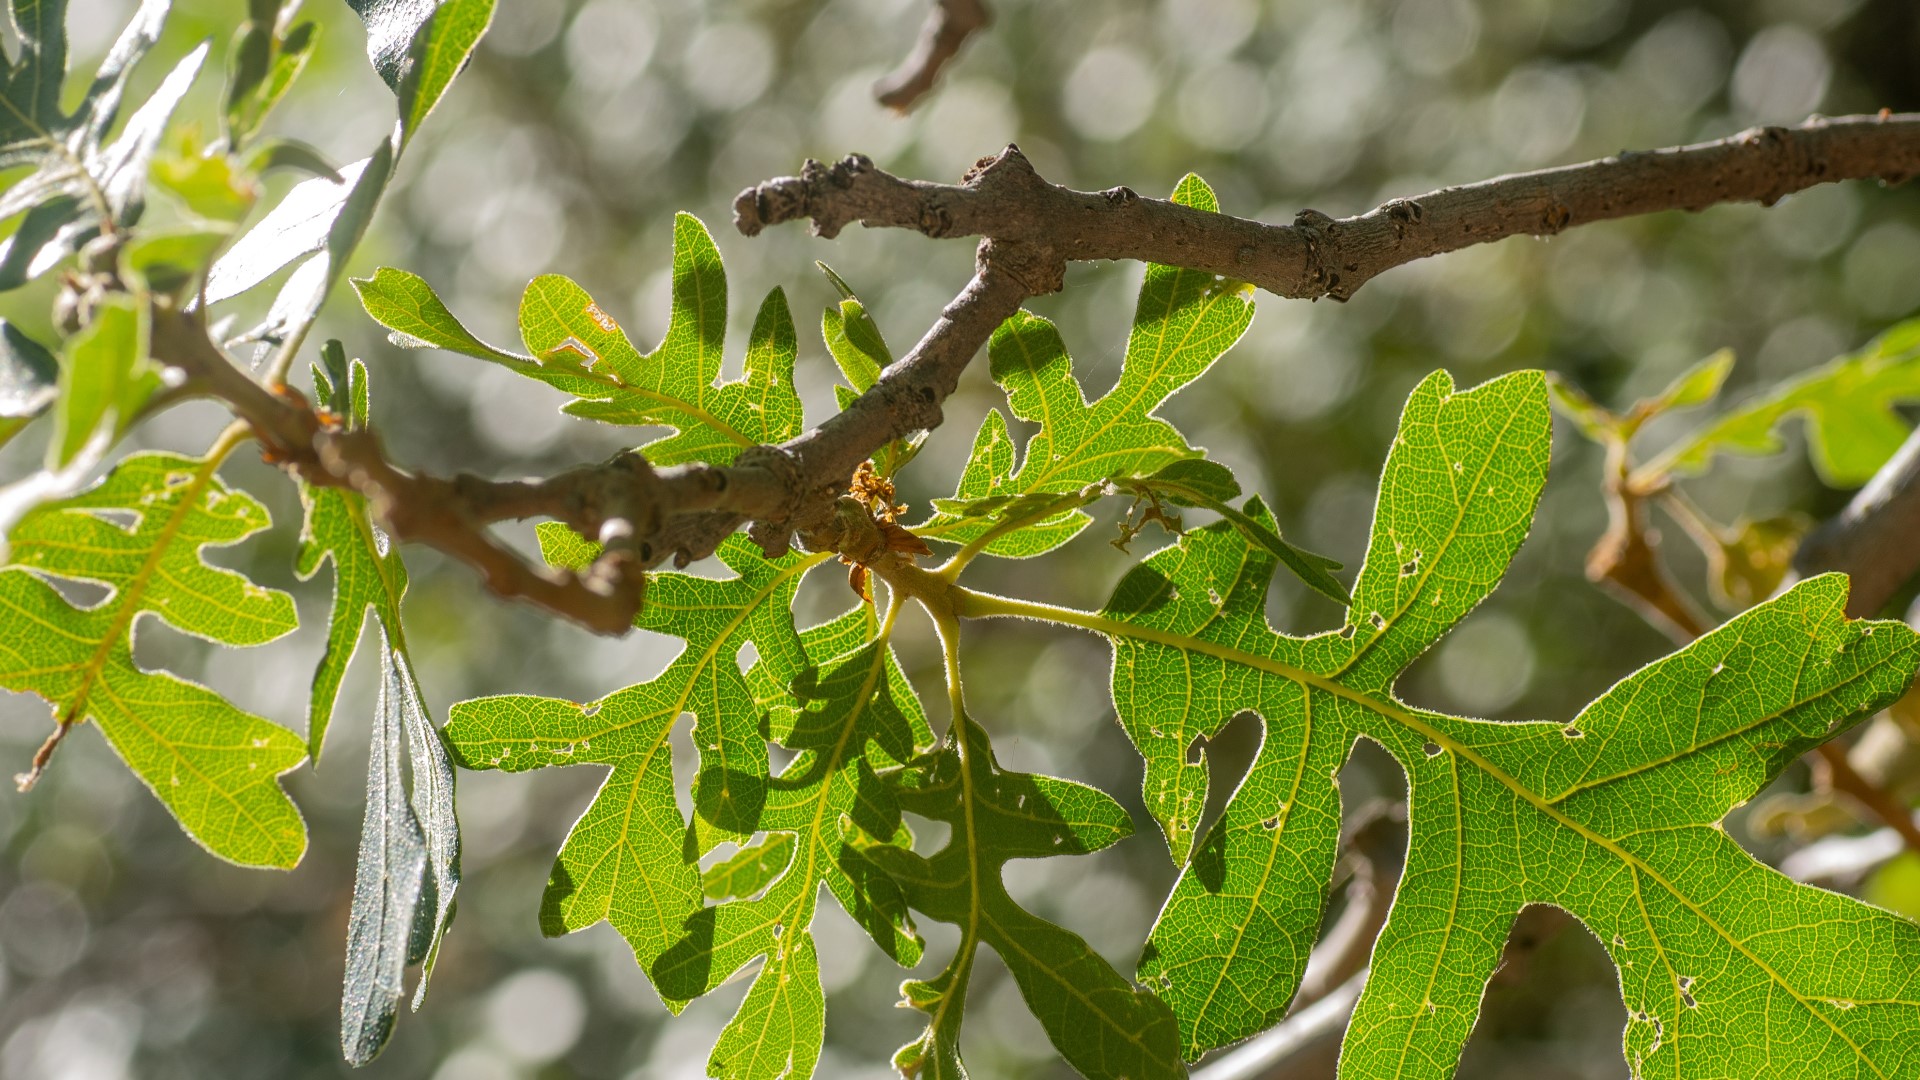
(580, 128)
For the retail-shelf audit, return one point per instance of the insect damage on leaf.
(1614, 817)
(215, 767)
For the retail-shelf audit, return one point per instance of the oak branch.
(1028, 230)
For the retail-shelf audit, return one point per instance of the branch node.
(1039, 270)
(774, 532)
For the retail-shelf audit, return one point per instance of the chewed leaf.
(1184, 321)
(579, 348)
(215, 767)
(1614, 816)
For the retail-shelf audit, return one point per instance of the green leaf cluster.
(1726, 966)
(79, 182)
(140, 533)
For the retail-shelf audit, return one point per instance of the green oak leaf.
(1098, 1021)
(749, 871)
(1184, 321)
(395, 893)
(631, 858)
(1614, 816)
(580, 350)
(141, 533)
(851, 712)
(1849, 403)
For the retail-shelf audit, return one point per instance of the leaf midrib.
(981, 604)
(127, 607)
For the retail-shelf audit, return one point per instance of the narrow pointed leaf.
(387, 885)
(369, 577)
(439, 51)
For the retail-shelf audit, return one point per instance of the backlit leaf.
(141, 533)
(1849, 403)
(631, 859)
(579, 349)
(1184, 321)
(1614, 816)
(854, 711)
(1103, 1025)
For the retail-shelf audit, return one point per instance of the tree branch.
(1876, 539)
(948, 26)
(1030, 229)
(1321, 256)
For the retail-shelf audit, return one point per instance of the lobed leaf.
(1849, 404)
(1098, 1021)
(630, 859)
(851, 712)
(1183, 322)
(215, 767)
(580, 350)
(1614, 816)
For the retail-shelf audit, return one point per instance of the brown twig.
(1030, 230)
(1624, 560)
(1321, 256)
(1876, 539)
(1871, 541)
(948, 26)
(1840, 775)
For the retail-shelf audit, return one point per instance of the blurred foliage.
(567, 146)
